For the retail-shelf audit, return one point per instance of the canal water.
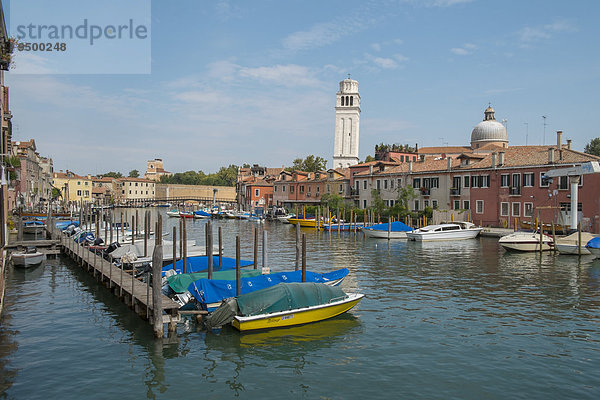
(440, 320)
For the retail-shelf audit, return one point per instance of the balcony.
(455, 192)
(515, 191)
(425, 192)
(354, 191)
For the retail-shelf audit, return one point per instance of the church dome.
(489, 131)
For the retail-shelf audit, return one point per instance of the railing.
(354, 191)
(455, 192)
(515, 191)
(426, 192)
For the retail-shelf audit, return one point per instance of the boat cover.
(62, 225)
(396, 227)
(202, 213)
(287, 296)
(213, 291)
(200, 263)
(594, 243)
(180, 282)
(33, 223)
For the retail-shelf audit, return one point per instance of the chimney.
(449, 163)
(550, 155)
(568, 144)
(371, 169)
(559, 140)
(501, 158)
(410, 166)
(494, 160)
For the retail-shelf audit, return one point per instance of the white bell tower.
(347, 122)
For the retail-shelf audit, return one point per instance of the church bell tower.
(347, 122)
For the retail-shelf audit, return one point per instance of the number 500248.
(42, 46)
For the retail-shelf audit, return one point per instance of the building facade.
(73, 188)
(137, 188)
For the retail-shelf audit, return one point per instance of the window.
(364, 184)
(479, 206)
(504, 180)
(291, 189)
(425, 203)
(274, 188)
(391, 183)
(351, 100)
(456, 182)
(466, 204)
(79, 193)
(401, 158)
(527, 209)
(504, 209)
(429, 183)
(130, 191)
(364, 204)
(474, 181)
(378, 184)
(563, 182)
(417, 182)
(467, 181)
(146, 192)
(385, 183)
(283, 189)
(301, 188)
(78, 183)
(416, 205)
(341, 188)
(123, 191)
(456, 205)
(567, 207)
(256, 192)
(434, 203)
(543, 182)
(399, 182)
(528, 179)
(485, 181)
(136, 184)
(309, 188)
(516, 209)
(318, 188)
(516, 180)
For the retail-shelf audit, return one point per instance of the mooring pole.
(238, 270)
(303, 257)
(297, 266)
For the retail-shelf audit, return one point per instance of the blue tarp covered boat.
(594, 246)
(62, 225)
(397, 230)
(200, 264)
(211, 292)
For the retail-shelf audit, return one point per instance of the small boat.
(164, 205)
(254, 218)
(186, 214)
(594, 246)
(33, 226)
(285, 218)
(344, 226)
(305, 221)
(201, 214)
(173, 213)
(525, 241)
(445, 231)
(569, 244)
(28, 258)
(285, 304)
(397, 230)
(558, 228)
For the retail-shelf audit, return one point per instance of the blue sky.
(241, 81)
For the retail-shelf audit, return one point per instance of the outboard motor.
(98, 241)
(112, 247)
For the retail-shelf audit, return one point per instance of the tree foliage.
(226, 176)
(134, 173)
(378, 203)
(369, 158)
(396, 148)
(332, 200)
(593, 147)
(309, 164)
(112, 174)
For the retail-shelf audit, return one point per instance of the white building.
(347, 122)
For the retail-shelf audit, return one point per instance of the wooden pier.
(122, 283)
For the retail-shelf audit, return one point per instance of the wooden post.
(303, 257)
(146, 229)
(209, 250)
(541, 236)
(255, 248)
(297, 266)
(157, 258)
(104, 214)
(174, 247)
(264, 249)
(110, 221)
(238, 270)
(515, 224)
(132, 229)
(389, 229)
(148, 295)
(221, 248)
(137, 221)
(181, 241)
(184, 245)
(578, 238)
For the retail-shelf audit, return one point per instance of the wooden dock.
(122, 283)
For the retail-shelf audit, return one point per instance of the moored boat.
(33, 226)
(445, 231)
(397, 230)
(594, 246)
(28, 258)
(526, 241)
(173, 213)
(570, 244)
(285, 304)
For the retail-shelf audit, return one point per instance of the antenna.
(526, 132)
(505, 123)
(544, 137)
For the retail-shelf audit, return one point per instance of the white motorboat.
(173, 213)
(526, 241)
(568, 244)
(28, 258)
(285, 218)
(445, 231)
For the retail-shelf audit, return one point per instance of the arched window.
(342, 100)
(347, 100)
(351, 100)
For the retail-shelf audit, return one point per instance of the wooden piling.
(184, 244)
(220, 248)
(578, 238)
(157, 257)
(303, 257)
(132, 229)
(297, 265)
(146, 229)
(255, 248)
(264, 250)
(541, 236)
(238, 270)
(209, 249)
(174, 247)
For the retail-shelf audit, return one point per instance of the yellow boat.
(282, 305)
(304, 222)
(297, 316)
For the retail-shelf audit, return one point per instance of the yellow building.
(73, 187)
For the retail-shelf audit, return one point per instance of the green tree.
(369, 158)
(56, 193)
(405, 195)
(134, 173)
(593, 147)
(332, 200)
(309, 164)
(112, 174)
(378, 203)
